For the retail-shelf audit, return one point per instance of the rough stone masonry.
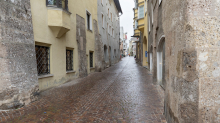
(18, 69)
(192, 30)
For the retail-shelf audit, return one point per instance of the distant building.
(109, 30)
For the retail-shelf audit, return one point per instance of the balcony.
(58, 17)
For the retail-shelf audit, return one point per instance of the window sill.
(89, 30)
(140, 18)
(45, 76)
(92, 68)
(67, 72)
(56, 8)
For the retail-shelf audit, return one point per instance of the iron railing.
(69, 60)
(43, 60)
(58, 3)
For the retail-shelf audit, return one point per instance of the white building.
(109, 12)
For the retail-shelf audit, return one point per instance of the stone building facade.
(18, 71)
(109, 29)
(184, 42)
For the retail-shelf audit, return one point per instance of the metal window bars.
(91, 59)
(58, 3)
(69, 60)
(43, 60)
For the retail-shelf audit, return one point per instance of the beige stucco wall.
(145, 38)
(45, 35)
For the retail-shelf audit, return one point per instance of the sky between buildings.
(126, 20)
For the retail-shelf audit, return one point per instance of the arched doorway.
(161, 61)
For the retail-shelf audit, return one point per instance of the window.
(103, 21)
(145, 6)
(112, 31)
(141, 12)
(136, 24)
(91, 59)
(89, 20)
(58, 3)
(43, 59)
(69, 60)
(152, 10)
(136, 4)
(107, 28)
(149, 23)
(108, 12)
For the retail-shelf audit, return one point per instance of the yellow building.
(141, 31)
(64, 34)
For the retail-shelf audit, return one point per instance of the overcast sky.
(127, 17)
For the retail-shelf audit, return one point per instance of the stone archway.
(161, 61)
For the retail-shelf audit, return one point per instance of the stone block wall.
(81, 43)
(192, 34)
(99, 49)
(18, 69)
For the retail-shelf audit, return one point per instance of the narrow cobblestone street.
(121, 93)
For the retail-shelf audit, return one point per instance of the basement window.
(69, 60)
(43, 60)
(91, 59)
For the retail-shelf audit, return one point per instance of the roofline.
(118, 6)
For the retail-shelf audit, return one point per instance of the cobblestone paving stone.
(123, 93)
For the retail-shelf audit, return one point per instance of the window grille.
(43, 60)
(91, 59)
(69, 60)
(58, 3)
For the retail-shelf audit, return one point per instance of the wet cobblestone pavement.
(123, 93)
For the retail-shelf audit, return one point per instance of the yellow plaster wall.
(139, 1)
(145, 40)
(144, 30)
(141, 21)
(44, 35)
(137, 31)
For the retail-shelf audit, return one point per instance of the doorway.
(161, 60)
